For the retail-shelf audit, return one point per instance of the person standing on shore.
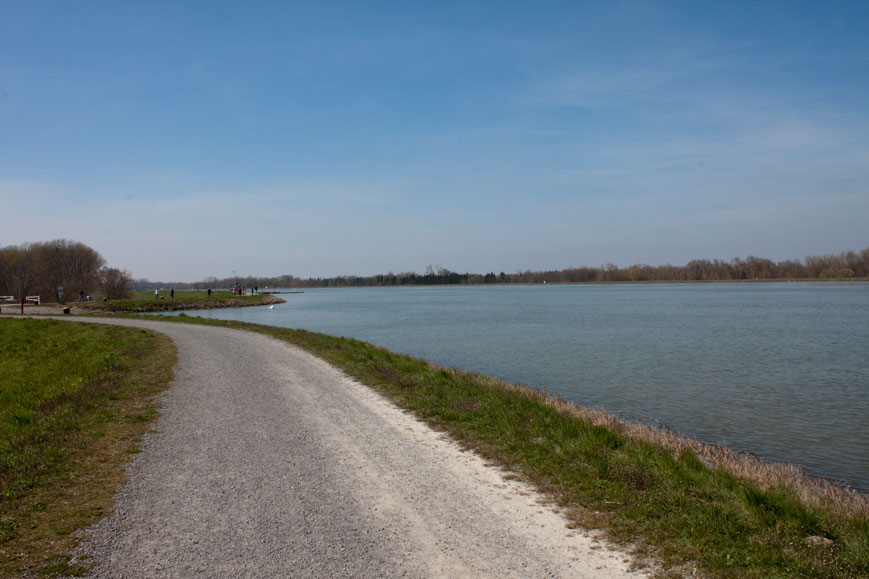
(156, 293)
(172, 293)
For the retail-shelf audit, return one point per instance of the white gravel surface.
(268, 462)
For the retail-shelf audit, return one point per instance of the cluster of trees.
(58, 271)
(847, 265)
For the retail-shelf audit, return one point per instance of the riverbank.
(730, 364)
(144, 302)
(687, 504)
(396, 496)
(555, 282)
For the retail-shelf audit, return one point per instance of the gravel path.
(268, 462)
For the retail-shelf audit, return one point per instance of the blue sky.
(189, 139)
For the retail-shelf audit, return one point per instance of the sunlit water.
(778, 369)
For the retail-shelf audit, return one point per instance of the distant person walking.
(209, 292)
(81, 296)
(172, 293)
(156, 293)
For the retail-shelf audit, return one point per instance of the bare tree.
(50, 258)
(5, 265)
(116, 284)
(70, 264)
(45, 267)
(21, 271)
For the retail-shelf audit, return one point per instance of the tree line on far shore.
(59, 271)
(846, 265)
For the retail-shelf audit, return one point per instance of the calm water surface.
(779, 369)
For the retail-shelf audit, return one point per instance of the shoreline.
(674, 440)
(830, 281)
(741, 463)
(606, 472)
(162, 305)
(665, 494)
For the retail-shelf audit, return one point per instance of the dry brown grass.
(812, 491)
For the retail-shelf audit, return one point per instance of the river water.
(778, 369)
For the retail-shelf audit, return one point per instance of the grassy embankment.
(688, 504)
(642, 486)
(74, 401)
(144, 301)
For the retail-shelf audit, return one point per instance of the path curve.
(268, 462)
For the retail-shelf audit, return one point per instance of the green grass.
(73, 401)
(669, 505)
(144, 301)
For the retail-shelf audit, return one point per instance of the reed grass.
(811, 490)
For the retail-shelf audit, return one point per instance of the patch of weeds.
(147, 415)
(61, 567)
(856, 546)
(60, 465)
(8, 528)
